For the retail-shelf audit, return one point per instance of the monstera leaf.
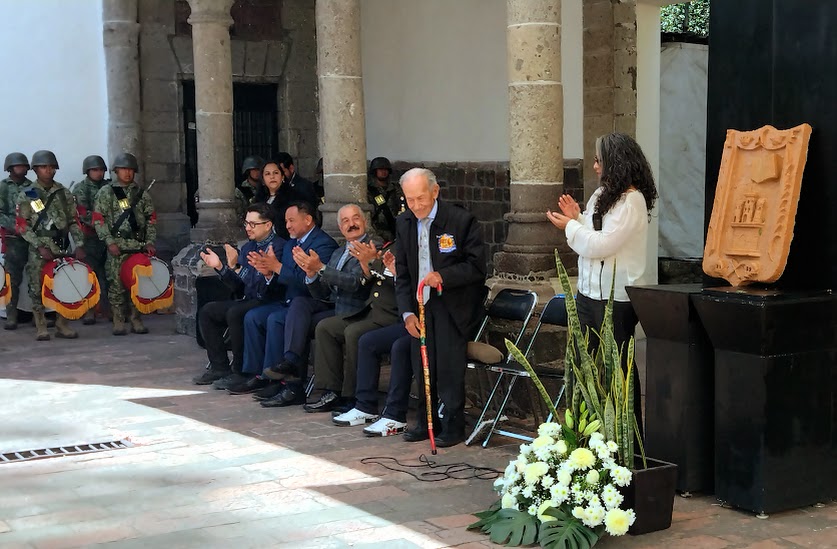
(567, 532)
(508, 527)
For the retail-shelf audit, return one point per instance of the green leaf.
(508, 527)
(610, 420)
(566, 532)
(518, 356)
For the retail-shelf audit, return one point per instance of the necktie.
(425, 265)
(343, 258)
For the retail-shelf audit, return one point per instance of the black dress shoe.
(210, 376)
(289, 396)
(446, 440)
(416, 434)
(250, 386)
(282, 370)
(328, 401)
(273, 389)
(234, 378)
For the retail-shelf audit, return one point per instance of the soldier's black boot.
(41, 326)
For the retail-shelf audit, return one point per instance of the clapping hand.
(569, 206)
(211, 258)
(232, 256)
(365, 252)
(309, 262)
(389, 262)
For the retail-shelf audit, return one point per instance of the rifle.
(129, 211)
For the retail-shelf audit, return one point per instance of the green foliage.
(521, 358)
(507, 526)
(567, 532)
(691, 17)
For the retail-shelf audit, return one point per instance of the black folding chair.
(510, 305)
(553, 314)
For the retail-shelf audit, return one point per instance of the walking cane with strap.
(425, 364)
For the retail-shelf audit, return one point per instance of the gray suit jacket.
(346, 287)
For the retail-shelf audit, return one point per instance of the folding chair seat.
(553, 314)
(509, 305)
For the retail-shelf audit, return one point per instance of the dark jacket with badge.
(46, 217)
(346, 287)
(458, 254)
(387, 202)
(125, 216)
(381, 307)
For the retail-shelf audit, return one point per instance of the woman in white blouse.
(613, 228)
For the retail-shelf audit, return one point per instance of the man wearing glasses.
(251, 290)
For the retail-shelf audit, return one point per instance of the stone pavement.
(211, 470)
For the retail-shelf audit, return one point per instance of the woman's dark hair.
(263, 193)
(623, 166)
(265, 211)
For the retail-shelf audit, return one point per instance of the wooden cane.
(425, 364)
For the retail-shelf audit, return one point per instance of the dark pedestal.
(679, 385)
(775, 396)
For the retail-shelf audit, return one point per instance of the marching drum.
(6, 288)
(70, 287)
(148, 279)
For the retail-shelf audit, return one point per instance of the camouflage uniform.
(129, 241)
(52, 233)
(85, 196)
(15, 248)
(244, 195)
(387, 202)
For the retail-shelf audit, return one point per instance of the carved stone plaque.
(751, 227)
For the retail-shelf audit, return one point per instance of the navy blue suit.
(292, 279)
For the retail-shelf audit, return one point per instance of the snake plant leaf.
(567, 532)
(508, 527)
(521, 358)
(610, 419)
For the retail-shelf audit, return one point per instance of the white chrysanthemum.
(534, 471)
(559, 493)
(582, 458)
(533, 510)
(580, 512)
(542, 441)
(609, 490)
(508, 502)
(612, 446)
(499, 484)
(564, 477)
(592, 477)
(547, 481)
(617, 522)
(594, 500)
(595, 515)
(561, 447)
(513, 477)
(520, 464)
(550, 429)
(543, 454)
(602, 452)
(528, 492)
(621, 476)
(510, 468)
(597, 437)
(631, 516)
(545, 506)
(612, 500)
(514, 490)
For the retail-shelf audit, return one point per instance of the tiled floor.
(213, 470)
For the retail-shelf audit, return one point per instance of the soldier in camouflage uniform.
(136, 232)
(94, 169)
(251, 169)
(46, 217)
(15, 249)
(386, 198)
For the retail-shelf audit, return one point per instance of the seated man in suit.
(334, 375)
(439, 244)
(342, 282)
(299, 220)
(250, 288)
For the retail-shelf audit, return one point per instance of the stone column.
(536, 160)
(120, 32)
(342, 117)
(211, 20)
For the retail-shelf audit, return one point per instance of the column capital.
(210, 11)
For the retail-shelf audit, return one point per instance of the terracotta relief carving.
(751, 227)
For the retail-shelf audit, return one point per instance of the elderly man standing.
(439, 244)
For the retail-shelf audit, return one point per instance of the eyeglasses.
(254, 224)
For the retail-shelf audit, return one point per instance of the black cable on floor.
(459, 471)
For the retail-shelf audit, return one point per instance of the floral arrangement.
(563, 490)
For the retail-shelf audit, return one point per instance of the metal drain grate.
(61, 451)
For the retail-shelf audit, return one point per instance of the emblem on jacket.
(446, 243)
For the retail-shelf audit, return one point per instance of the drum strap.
(127, 214)
(43, 213)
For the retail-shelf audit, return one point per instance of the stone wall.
(483, 188)
(166, 60)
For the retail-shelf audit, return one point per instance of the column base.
(172, 234)
(218, 223)
(187, 266)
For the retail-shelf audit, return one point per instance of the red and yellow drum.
(149, 281)
(70, 287)
(5, 286)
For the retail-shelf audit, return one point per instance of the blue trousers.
(371, 346)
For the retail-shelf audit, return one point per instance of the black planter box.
(679, 383)
(651, 495)
(775, 396)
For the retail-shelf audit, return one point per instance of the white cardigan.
(622, 238)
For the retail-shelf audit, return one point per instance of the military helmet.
(125, 160)
(15, 159)
(91, 162)
(251, 163)
(380, 163)
(44, 158)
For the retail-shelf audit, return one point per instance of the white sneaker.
(353, 417)
(384, 427)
